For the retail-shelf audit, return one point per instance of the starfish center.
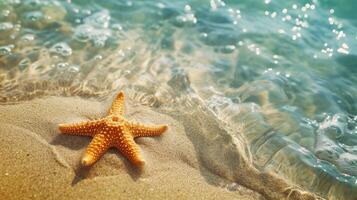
(115, 118)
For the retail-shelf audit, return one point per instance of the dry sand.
(39, 163)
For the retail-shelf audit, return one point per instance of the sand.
(39, 163)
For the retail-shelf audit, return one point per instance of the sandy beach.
(40, 163)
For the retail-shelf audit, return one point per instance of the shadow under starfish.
(83, 172)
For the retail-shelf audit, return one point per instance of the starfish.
(112, 131)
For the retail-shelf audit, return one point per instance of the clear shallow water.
(281, 73)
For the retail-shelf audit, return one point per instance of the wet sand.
(37, 162)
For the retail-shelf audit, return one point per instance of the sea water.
(280, 75)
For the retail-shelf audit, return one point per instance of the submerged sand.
(39, 163)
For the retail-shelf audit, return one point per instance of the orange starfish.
(112, 131)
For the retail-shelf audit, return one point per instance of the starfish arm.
(97, 147)
(87, 128)
(118, 105)
(127, 146)
(141, 130)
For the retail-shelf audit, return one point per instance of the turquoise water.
(283, 73)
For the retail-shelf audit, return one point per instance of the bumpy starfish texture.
(112, 131)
